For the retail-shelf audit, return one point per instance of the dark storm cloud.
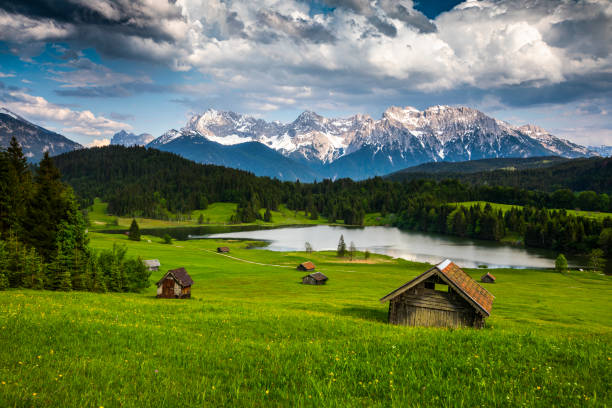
(587, 36)
(296, 28)
(384, 27)
(114, 91)
(412, 18)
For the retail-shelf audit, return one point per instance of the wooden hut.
(487, 278)
(175, 284)
(316, 278)
(152, 264)
(222, 250)
(306, 266)
(443, 296)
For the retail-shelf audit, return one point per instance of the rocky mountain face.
(602, 150)
(34, 140)
(130, 139)
(361, 147)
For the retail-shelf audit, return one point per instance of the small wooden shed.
(152, 264)
(443, 296)
(316, 278)
(306, 266)
(175, 284)
(223, 250)
(487, 278)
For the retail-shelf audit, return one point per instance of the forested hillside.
(575, 174)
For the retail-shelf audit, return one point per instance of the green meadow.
(506, 207)
(252, 335)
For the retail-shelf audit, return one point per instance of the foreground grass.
(506, 207)
(253, 336)
(215, 214)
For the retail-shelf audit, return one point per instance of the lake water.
(413, 246)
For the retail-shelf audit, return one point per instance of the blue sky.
(89, 69)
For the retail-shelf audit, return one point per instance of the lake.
(413, 246)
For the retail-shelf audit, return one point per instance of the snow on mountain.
(130, 139)
(402, 137)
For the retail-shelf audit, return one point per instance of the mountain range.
(359, 146)
(315, 147)
(34, 140)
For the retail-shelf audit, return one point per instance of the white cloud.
(99, 143)
(3, 75)
(72, 122)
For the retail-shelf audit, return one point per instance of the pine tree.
(341, 251)
(268, 215)
(561, 263)
(134, 233)
(201, 219)
(352, 250)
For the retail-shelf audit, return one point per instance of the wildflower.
(213, 387)
(390, 372)
(538, 387)
(3, 383)
(156, 371)
(38, 357)
(61, 375)
(267, 392)
(34, 394)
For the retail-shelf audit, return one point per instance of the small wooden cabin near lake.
(175, 284)
(443, 296)
(152, 264)
(316, 278)
(487, 278)
(223, 250)
(306, 266)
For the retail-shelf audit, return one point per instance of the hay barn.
(175, 284)
(487, 278)
(443, 296)
(152, 264)
(306, 266)
(223, 250)
(316, 278)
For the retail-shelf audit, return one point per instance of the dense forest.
(532, 174)
(147, 182)
(43, 239)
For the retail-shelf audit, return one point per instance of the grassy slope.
(253, 336)
(215, 214)
(506, 207)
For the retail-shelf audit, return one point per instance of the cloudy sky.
(88, 68)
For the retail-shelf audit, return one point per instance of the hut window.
(440, 287)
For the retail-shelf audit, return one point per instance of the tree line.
(43, 238)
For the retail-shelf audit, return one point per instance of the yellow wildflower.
(267, 392)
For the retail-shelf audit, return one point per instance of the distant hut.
(316, 278)
(487, 278)
(175, 284)
(222, 250)
(306, 266)
(444, 296)
(152, 264)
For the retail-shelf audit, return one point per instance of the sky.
(87, 69)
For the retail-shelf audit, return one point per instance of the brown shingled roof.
(180, 275)
(456, 277)
(308, 266)
(318, 276)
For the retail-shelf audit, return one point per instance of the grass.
(215, 214)
(252, 335)
(506, 207)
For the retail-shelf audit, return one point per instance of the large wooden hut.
(443, 296)
(223, 250)
(487, 278)
(316, 278)
(175, 284)
(306, 266)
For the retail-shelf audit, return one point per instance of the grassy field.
(215, 214)
(252, 335)
(506, 207)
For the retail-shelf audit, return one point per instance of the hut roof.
(307, 265)
(151, 263)
(467, 287)
(180, 275)
(489, 275)
(318, 276)
(223, 249)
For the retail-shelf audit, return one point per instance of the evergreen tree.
(595, 260)
(134, 233)
(341, 251)
(201, 219)
(561, 263)
(308, 247)
(352, 250)
(268, 215)
(167, 239)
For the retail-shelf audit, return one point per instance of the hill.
(543, 174)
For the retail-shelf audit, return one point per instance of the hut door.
(168, 290)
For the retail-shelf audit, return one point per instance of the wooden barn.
(487, 278)
(152, 264)
(316, 278)
(223, 250)
(175, 284)
(306, 266)
(444, 296)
